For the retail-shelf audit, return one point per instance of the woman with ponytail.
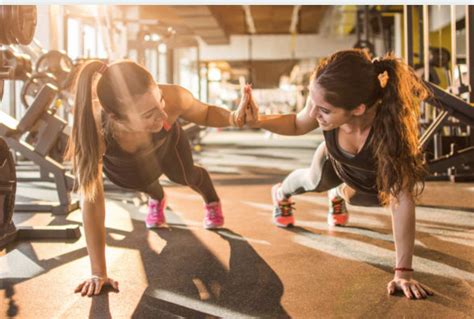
(368, 111)
(129, 132)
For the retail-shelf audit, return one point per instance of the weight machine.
(448, 136)
(21, 22)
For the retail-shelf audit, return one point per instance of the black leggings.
(320, 177)
(178, 165)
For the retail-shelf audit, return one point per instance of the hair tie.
(383, 79)
(102, 68)
(382, 72)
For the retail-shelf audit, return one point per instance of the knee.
(310, 182)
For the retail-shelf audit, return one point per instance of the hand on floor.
(93, 285)
(410, 287)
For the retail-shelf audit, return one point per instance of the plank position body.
(131, 134)
(368, 111)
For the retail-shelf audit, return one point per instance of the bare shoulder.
(176, 95)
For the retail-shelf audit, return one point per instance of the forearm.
(94, 227)
(217, 117)
(403, 224)
(283, 124)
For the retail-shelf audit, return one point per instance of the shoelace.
(286, 208)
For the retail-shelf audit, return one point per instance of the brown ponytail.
(349, 79)
(120, 82)
(83, 147)
(396, 130)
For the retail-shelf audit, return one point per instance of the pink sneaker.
(282, 209)
(214, 217)
(156, 213)
(338, 214)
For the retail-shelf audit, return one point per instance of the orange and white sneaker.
(338, 214)
(282, 209)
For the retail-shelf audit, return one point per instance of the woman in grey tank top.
(368, 111)
(131, 135)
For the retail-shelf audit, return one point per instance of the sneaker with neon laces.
(156, 213)
(338, 214)
(282, 209)
(214, 217)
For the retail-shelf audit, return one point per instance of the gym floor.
(251, 268)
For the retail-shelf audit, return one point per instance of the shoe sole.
(330, 223)
(154, 226)
(283, 225)
(213, 226)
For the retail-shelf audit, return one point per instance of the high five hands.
(247, 111)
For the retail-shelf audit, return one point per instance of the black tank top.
(359, 171)
(139, 169)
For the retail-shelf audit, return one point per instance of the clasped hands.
(247, 111)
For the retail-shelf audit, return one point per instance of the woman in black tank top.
(132, 136)
(368, 111)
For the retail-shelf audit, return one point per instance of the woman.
(133, 137)
(368, 111)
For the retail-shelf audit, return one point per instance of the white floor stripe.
(198, 305)
(371, 254)
(364, 232)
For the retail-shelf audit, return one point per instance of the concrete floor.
(250, 268)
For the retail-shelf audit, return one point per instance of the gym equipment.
(32, 86)
(53, 67)
(8, 231)
(363, 29)
(458, 163)
(7, 194)
(57, 63)
(17, 24)
(50, 127)
(439, 65)
(19, 62)
(448, 121)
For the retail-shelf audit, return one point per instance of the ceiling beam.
(295, 19)
(203, 23)
(249, 20)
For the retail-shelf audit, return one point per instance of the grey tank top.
(139, 169)
(357, 171)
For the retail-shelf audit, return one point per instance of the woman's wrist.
(403, 272)
(232, 122)
(256, 124)
(99, 272)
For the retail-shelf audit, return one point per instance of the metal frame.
(13, 130)
(408, 25)
(450, 105)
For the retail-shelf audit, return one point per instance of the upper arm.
(192, 109)
(304, 123)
